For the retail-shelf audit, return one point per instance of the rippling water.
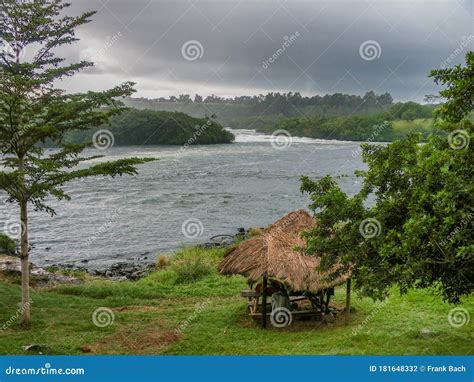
(223, 187)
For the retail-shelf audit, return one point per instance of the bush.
(193, 264)
(162, 261)
(7, 244)
(191, 270)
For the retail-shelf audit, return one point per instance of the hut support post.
(348, 301)
(264, 302)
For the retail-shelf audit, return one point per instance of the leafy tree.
(459, 90)
(418, 231)
(33, 110)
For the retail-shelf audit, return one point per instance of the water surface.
(217, 188)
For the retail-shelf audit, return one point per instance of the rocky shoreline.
(120, 271)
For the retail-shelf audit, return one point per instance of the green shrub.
(7, 244)
(190, 270)
(193, 264)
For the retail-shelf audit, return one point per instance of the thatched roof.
(278, 253)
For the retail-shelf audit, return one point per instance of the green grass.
(164, 313)
(422, 125)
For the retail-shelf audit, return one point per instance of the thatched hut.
(278, 253)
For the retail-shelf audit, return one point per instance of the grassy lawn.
(187, 308)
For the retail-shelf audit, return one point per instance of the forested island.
(150, 127)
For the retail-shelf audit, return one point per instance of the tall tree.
(418, 231)
(459, 89)
(34, 111)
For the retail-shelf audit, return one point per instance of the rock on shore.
(12, 265)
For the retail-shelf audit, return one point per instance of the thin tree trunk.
(25, 267)
(348, 302)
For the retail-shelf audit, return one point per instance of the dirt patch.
(138, 309)
(129, 340)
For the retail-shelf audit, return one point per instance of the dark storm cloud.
(254, 46)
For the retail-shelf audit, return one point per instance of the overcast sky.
(225, 47)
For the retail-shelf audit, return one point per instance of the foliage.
(409, 111)
(7, 244)
(383, 127)
(417, 233)
(193, 264)
(148, 127)
(459, 90)
(33, 111)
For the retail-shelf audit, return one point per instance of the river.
(184, 198)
